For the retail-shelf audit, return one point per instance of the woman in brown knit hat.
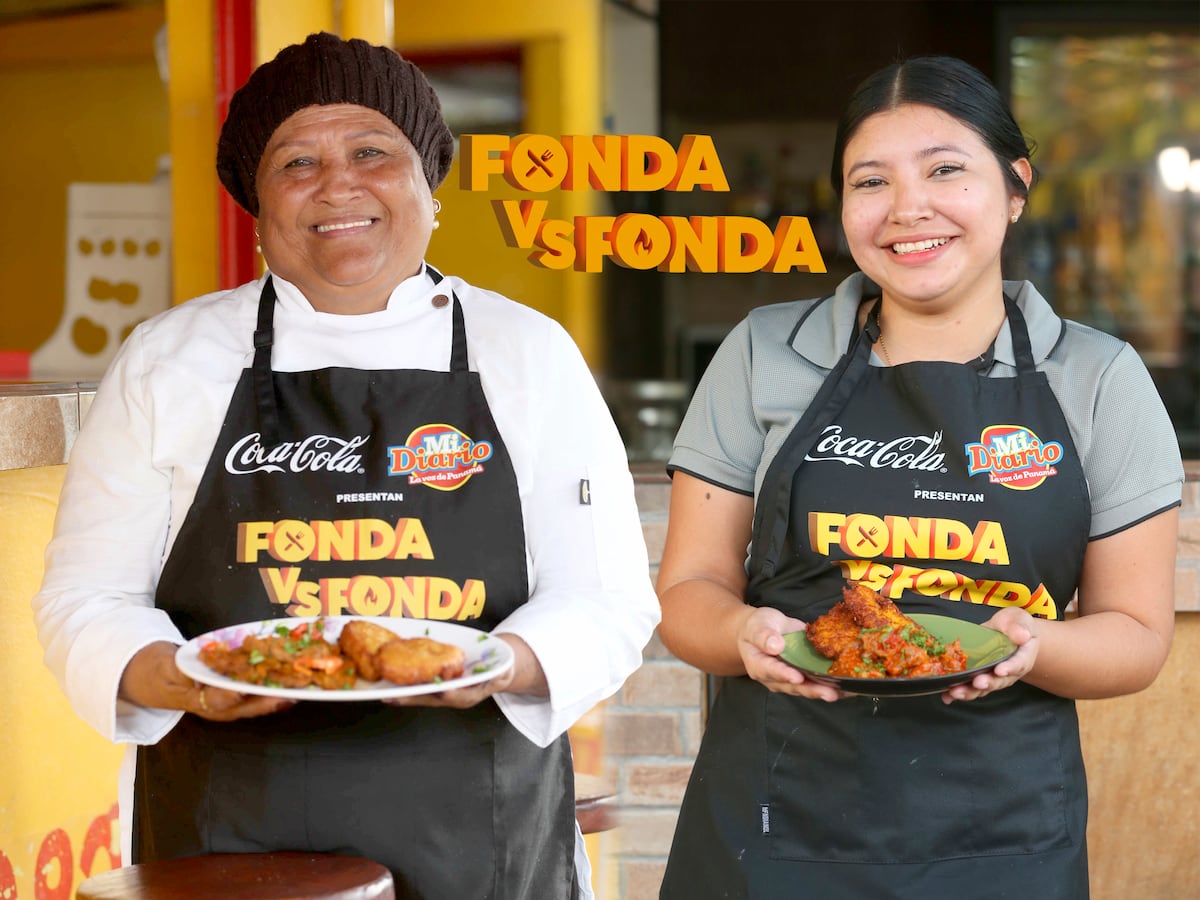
(350, 435)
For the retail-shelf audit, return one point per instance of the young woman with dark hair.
(941, 436)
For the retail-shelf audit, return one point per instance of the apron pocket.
(910, 780)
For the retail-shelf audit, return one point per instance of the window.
(1112, 233)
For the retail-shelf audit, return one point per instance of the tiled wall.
(653, 726)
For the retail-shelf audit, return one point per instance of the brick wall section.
(652, 727)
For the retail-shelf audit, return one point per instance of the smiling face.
(926, 208)
(345, 212)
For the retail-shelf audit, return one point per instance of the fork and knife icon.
(539, 162)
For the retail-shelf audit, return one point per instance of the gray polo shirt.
(769, 367)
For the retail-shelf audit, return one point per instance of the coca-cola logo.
(914, 451)
(316, 453)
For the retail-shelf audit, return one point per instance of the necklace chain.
(980, 360)
(883, 347)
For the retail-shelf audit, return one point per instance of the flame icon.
(643, 242)
(370, 598)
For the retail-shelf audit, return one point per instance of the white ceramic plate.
(487, 657)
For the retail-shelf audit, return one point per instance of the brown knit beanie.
(326, 69)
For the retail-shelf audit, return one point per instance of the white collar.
(402, 297)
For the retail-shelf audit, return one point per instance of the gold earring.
(257, 241)
(437, 208)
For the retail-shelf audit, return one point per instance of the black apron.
(456, 803)
(951, 493)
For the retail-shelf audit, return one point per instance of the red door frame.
(234, 51)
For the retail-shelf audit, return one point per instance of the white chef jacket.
(146, 440)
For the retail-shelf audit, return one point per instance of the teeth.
(918, 246)
(340, 227)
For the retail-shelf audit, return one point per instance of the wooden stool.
(245, 876)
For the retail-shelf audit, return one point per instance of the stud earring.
(1014, 218)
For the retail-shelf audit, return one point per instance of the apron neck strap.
(772, 513)
(458, 341)
(264, 384)
(1019, 331)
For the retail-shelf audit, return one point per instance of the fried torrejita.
(859, 608)
(419, 660)
(361, 641)
(873, 610)
(830, 633)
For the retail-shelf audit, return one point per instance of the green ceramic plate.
(984, 648)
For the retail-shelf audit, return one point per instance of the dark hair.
(947, 84)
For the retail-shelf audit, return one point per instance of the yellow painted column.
(193, 140)
(371, 20)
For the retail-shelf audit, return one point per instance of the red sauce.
(898, 652)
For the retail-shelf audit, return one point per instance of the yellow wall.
(58, 778)
(82, 101)
(193, 134)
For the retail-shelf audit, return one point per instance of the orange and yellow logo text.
(293, 541)
(856, 542)
(537, 163)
